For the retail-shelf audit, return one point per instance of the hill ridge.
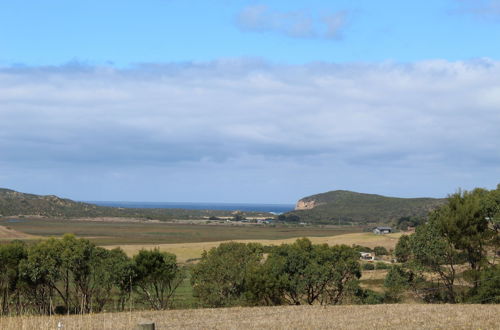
(351, 206)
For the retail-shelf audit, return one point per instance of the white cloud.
(295, 24)
(428, 122)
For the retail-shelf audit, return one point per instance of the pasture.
(184, 239)
(402, 316)
(122, 232)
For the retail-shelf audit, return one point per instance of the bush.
(360, 248)
(381, 265)
(368, 297)
(380, 251)
(488, 291)
(368, 266)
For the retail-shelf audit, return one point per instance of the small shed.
(382, 230)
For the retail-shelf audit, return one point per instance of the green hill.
(13, 203)
(347, 206)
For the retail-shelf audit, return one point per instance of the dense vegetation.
(292, 274)
(345, 207)
(13, 203)
(453, 257)
(71, 275)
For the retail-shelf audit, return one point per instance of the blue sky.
(129, 31)
(248, 101)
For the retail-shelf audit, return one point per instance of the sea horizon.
(248, 207)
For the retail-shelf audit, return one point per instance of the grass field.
(126, 233)
(407, 316)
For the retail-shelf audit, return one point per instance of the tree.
(461, 231)
(303, 273)
(76, 271)
(10, 257)
(220, 278)
(122, 273)
(40, 274)
(432, 253)
(463, 223)
(157, 276)
(396, 281)
(403, 250)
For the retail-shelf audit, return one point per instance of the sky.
(248, 101)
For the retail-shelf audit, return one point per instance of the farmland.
(407, 316)
(115, 232)
(186, 240)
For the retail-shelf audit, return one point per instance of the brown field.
(185, 251)
(407, 316)
(8, 234)
(115, 232)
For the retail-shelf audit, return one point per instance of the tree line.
(72, 275)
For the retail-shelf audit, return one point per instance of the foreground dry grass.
(294, 317)
(185, 251)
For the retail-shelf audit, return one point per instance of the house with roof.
(382, 230)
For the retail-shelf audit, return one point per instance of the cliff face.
(305, 205)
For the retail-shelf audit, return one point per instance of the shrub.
(380, 251)
(368, 266)
(381, 265)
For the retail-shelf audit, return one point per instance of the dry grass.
(185, 251)
(290, 317)
(7, 233)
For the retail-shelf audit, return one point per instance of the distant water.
(274, 208)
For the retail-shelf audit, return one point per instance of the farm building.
(368, 256)
(382, 230)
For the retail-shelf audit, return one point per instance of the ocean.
(273, 208)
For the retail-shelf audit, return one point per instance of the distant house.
(368, 256)
(382, 230)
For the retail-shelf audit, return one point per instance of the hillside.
(13, 203)
(347, 206)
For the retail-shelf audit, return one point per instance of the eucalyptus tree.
(157, 276)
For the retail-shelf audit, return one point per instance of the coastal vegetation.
(13, 203)
(346, 207)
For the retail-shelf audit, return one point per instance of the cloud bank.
(295, 24)
(247, 130)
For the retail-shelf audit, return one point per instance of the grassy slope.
(14, 203)
(357, 207)
(297, 317)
